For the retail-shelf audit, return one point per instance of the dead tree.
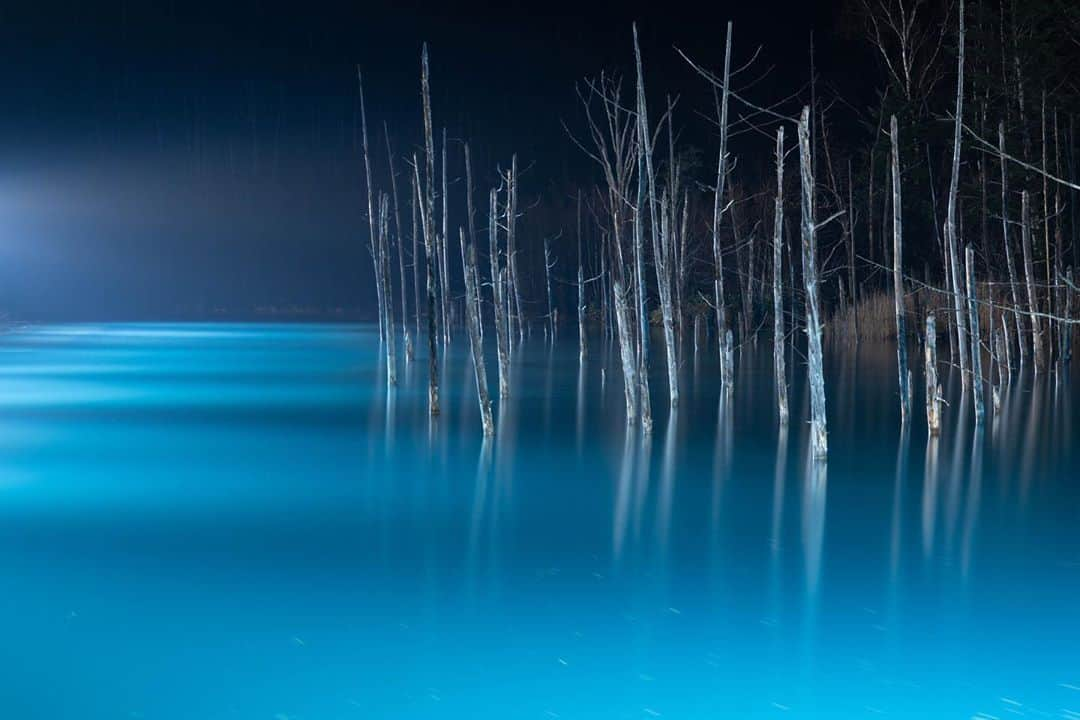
(387, 294)
(815, 361)
(498, 285)
(471, 212)
(473, 320)
(663, 260)
(950, 222)
(777, 277)
(976, 347)
(1029, 280)
(427, 191)
(433, 336)
(933, 389)
(409, 351)
(372, 239)
(644, 175)
(583, 344)
(444, 256)
(718, 200)
(898, 278)
(1009, 262)
(511, 254)
(551, 312)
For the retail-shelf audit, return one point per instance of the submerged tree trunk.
(976, 348)
(644, 176)
(718, 198)
(777, 276)
(1029, 279)
(387, 293)
(1009, 261)
(433, 337)
(950, 222)
(376, 261)
(498, 285)
(933, 390)
(898, 278)
(583, 343)
(818, 430)
(409, 351)
(473, 320)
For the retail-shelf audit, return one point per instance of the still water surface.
(236, 521)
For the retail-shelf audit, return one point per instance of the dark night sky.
(163, 159)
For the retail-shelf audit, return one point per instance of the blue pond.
(238, 521)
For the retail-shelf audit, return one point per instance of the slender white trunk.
(777, 273)
(818, 428)
(976, 349)
(473, 320)
(898, 277)
(933, 390)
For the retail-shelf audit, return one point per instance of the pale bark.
(818, 428)
(976, 349)
(898, 277)
(498, 277)
(1029, 280)
(950, 222)
(473, 320)
(933, 390)
(1009, 261)
(777, 276)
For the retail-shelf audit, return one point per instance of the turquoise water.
(236, 521)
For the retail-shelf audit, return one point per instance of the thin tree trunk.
(644, 177)
(976, 348)
(547, 283)
(1009, 261)
(433, 337)
(933, 390)
(1029, 278)
(583, 343)
(818, 428)
(472, 315)
(718, 198)
(502, 332)
(375, 260)
(898, 278)
(950, 222)
(409, 351)
(777, 273)
(387, 292)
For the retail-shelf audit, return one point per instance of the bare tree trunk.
(626, 349)
(547, 283)
(718, 198)
(583, 344)
(511, 252)
(1009, 261)
(433, 337)
(444, 256)
(644, 177)
(409, 351)
(777, 277)
(375, 259)
(502, 331)
(933, 390)
(428, 189)
(387, 293)
(898, 277)
(854, 288)
(473, 320)
(818, 429)
(663, 262)
(472, 234)
(976, 347)
(416, 259)
(1029, 278)
(950, 222)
